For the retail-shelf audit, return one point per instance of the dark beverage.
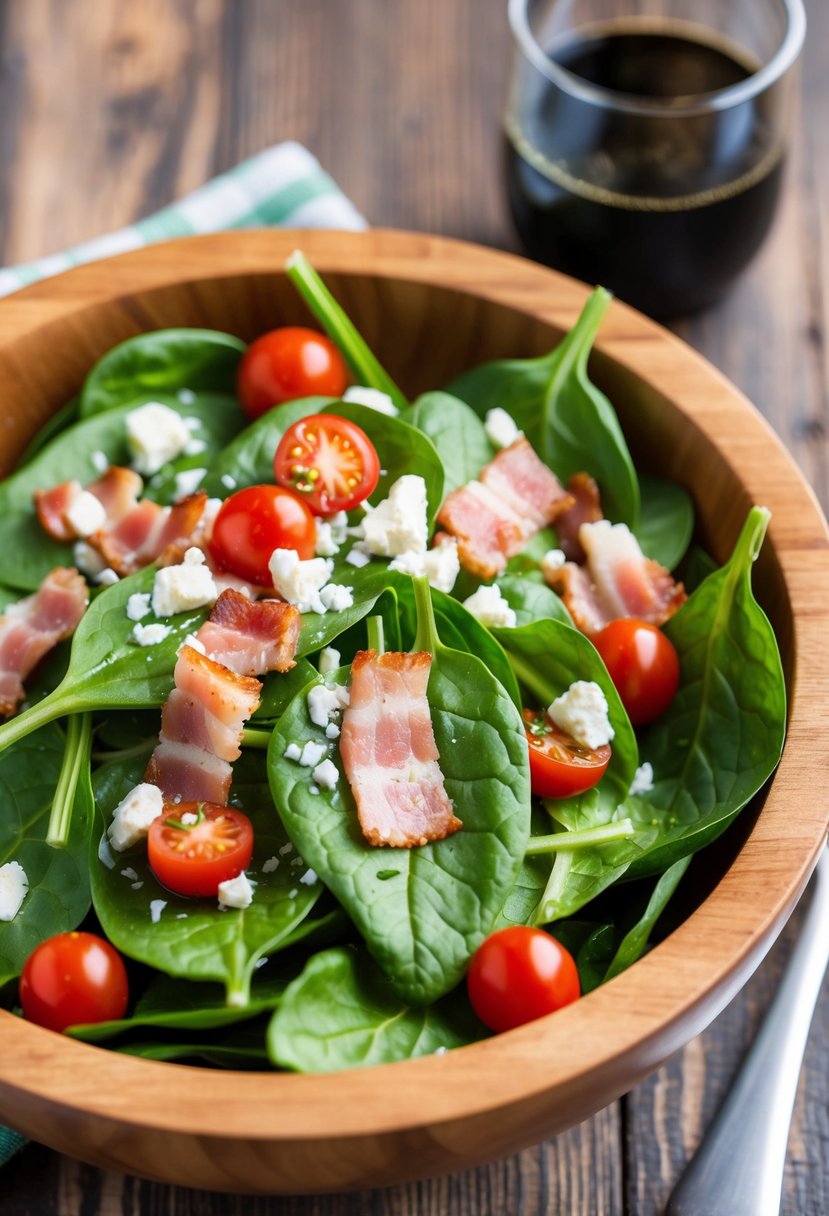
(664, 209)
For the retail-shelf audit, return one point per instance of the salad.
(340, 729)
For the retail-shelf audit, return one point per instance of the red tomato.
(73, 978)
(330, 462)
(643, 665)
(252, 523)
(520, 974)
(559, 766)
(289, 363)
(192, 859)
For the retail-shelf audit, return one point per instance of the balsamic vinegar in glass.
(664, 213)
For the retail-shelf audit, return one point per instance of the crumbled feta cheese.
(211, 509)
(372, 398)
(187, 397)
(300, 582)
(193, 642)
(312, 753)
(270, 865)
(195, 447)
(552, 560)
(157, 906)
(490, 608)
(329, 660)
(138, 605)
(358, 557)
(100, 461)
(343, 695)
(582, 713)
(292, 752)
(182, 588)
(88, 560)
(236, 892)
(323, 703)
(189, 818)
(411, 562)
(87, 514)
(500, 428)
(14, 886)
(642, 782)
(309, 878)
(331, 533)
(188, 480)
(337, 597)
(105, 853)
(132, 817)
(155, 435)
(327, 774)
(129, 873)
(228, 482)
(398, 523)
(285, 849)
(441, 565)
(150, 635)
(332, 731)
(261, 962)
(136, 886)
(107, 577)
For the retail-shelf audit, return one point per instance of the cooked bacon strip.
(148, 530)
(117, 491)
(32, 627)
(251, 638)
(200, 734)
(51, 507)
(618, 581)
(389, 752)
(586, 509)
(494, 517)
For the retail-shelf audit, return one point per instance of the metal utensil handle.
(738, 1169)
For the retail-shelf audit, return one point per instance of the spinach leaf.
(569, 422)
(193, 938)
(58, 896)
(279, 688)
(342, 1012)
(457, 433)
(722, 735)
(59, 421)
(164, 361)
(666, 521)
(437, 902)
(27, 554)
(532, 600)
(238, 1047)
(696, 567)
(635, 941)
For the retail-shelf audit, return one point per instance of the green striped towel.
(283, 186)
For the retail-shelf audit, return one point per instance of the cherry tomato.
(520, 974)
(559, 765)
(73, 978)
(193, 858)
(643, 665)
(289, 363)
(252, 523)
(330, 462)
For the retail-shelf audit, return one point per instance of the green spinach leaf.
(666, 521)
(635, 941)
(457, 433)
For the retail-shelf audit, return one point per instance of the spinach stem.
(376, 636)
(340, 329)
(144, 747)
(257, 739)
(76, 754)
(35, 716)
(426, 637)
(621, 829)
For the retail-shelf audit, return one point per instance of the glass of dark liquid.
(645, 139)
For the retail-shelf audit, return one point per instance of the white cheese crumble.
(138, 605)
(189, 818)
(14, 886)
(331, 533)
(129, 873)
(292, 752)
(270, 865)
(312, 753)
(87, 514)
(182, 588)
(490, 608)
(155, 435)
(157, 906)
(88, 560)
(642, 782)
(552, 560)
(228, 482)
(132, 817)
(188, 480)
(193, 642)
(440, 565)
(100, 461)
(327, 774)
(107, 577)
(309, 878)
(236, 892)
(329, 660)
(150, 635)
(372, 398)
(357, 557)
(332, 731)
(300, 582)
(582, 713)
(500, 428)
(337, 597)
(323, 704)
(398, 523)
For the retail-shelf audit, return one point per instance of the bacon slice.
(33, 626)
(117, 491)
(389, 752)
(148, 530)
(586, 509)
(251, 638)
(494, 517)
(618, 581)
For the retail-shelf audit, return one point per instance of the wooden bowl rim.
(659, 1002)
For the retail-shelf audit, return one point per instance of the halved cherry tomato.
(289, 363)
(559, 765)
(193, 858)
(330, 462)
(643, 665)
(520, 974)
(255, 521)
(73, 978)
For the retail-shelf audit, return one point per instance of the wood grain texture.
(411, 137)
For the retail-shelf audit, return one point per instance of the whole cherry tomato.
(252, 523)
(643, 665)
(559, 765)
(73, 978)
(289, 363)
(520, 974)
(192, 858)
(328, 461)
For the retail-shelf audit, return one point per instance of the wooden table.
(109, 110)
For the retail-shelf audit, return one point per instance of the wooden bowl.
(431, 308)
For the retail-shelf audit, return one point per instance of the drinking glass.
(645, 139)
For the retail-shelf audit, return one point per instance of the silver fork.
(738, 1168)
